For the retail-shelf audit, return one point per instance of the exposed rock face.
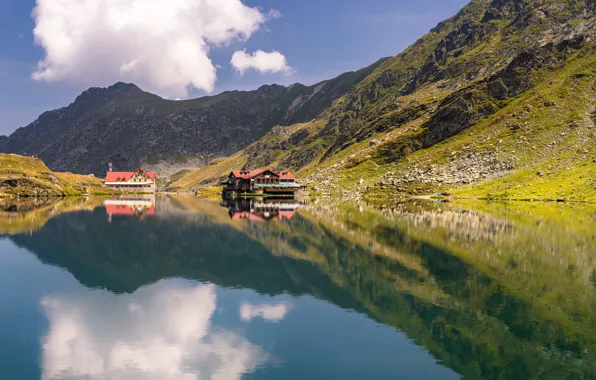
(131, 128)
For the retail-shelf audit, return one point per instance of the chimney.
(110, 167)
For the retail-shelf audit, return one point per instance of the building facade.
(140, 181)
(264, 181)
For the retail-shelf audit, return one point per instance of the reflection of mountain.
(30, 214)
(127, 253)
(490, 297)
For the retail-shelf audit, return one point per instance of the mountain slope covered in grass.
(29, 177)
(498, 101)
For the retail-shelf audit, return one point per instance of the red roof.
(253, 173)
(286, 175)
(125, 176)
(247, 174)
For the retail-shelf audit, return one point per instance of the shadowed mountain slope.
(133, 128)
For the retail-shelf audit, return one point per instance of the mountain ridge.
(130, 127)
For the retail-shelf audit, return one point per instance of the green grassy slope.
(26, 177)
(499, 96)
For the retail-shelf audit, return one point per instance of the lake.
(183, 288)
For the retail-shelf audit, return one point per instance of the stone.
(374, 143)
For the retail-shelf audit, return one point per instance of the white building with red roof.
(140, 181)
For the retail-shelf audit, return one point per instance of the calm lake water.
(182, 288)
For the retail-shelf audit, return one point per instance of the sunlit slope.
(27, 176)
(269, 151)
(497, 101)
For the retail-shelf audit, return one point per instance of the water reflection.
(272, 313)
(262, 209)
(492, 291)
(30, 214)
(139, 206)
(163, 331)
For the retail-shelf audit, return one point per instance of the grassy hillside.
(496, 102)
(30, 177)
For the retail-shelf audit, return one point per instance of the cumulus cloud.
(160, 332)
(273, 62)
(271, 313)
(162, 45)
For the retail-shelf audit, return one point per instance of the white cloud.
(162, 45)
(160, 332)
(273, 62)
(272, 313)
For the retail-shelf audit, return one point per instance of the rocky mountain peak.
(96, 95)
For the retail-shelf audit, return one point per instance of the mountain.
(493, 102)
(133, 128)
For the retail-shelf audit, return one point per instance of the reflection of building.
(264, 181)
(130, 206)
(140, 181)
(262, 209)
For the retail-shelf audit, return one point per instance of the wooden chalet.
(140, 181)
(263, 181)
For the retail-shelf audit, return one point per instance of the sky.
(52, 50)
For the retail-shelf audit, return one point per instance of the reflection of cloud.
(160, 332)
(272, 313)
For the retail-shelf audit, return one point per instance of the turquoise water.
(184, 290)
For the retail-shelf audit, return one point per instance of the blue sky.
(320, 39)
